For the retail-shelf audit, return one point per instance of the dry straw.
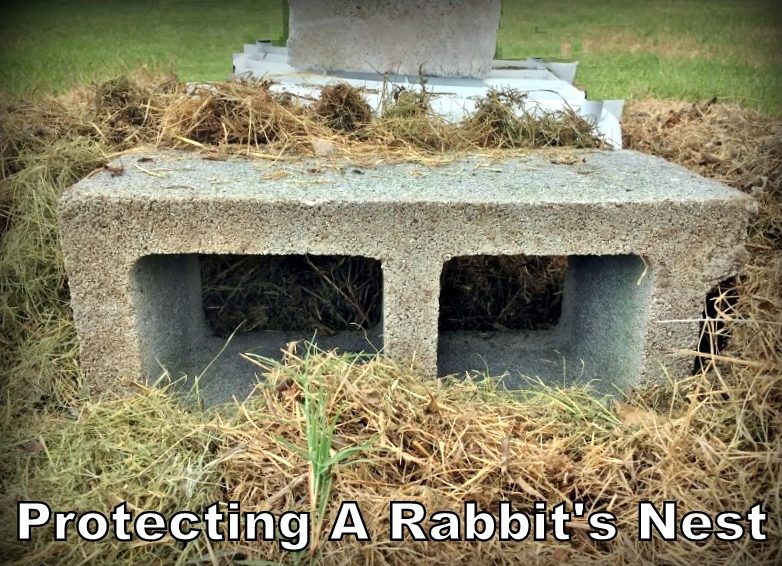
(323, 293)
(326, 428)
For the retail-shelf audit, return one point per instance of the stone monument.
(443, 38)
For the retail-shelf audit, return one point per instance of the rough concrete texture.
(646, 241)
(440, 37)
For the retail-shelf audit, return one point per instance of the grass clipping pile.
(327, 429)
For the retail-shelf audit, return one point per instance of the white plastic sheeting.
(548, 86)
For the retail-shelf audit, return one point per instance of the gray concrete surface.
(646, 241)
(440, 37)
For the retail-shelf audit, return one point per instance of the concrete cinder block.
(441, 38)
(645, 239)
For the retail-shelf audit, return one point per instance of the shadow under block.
(645, 240)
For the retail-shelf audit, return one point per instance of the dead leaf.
(432, 407)
(322, 148)
(564, 159)
(638, 416)
(31, 446)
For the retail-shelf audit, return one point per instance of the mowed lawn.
(677, 49)
(685, 49)
(56, 44)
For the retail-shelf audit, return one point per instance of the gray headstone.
(455, 38)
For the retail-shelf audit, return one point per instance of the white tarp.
(547, 86)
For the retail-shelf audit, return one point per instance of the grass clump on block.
(243, 113)
(122, 107)
(407, 119)
(503, 119)
(248, 116)
(342, 108)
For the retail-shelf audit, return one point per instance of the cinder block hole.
(187, 305)
(516, 292)
(714, 335)
(324, 294)
(560, 319)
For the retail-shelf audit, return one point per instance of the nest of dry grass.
(501, 292)
(342, 108)
(323, 293)
(504, 119)
(712, 442)
(246, 113)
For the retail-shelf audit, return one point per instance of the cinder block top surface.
(611, 177)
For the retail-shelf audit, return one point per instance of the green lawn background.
(687, 49)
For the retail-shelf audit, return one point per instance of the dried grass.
(148, 451)
(29, 128)
(504, 119)
(323, 293)
(37, 341)
(242, 113)
(122, 109)
(443, 445)
(343, 108)
(246, 115)
(423, 441)
(711, 442)
(501, 292)
(407, 119)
